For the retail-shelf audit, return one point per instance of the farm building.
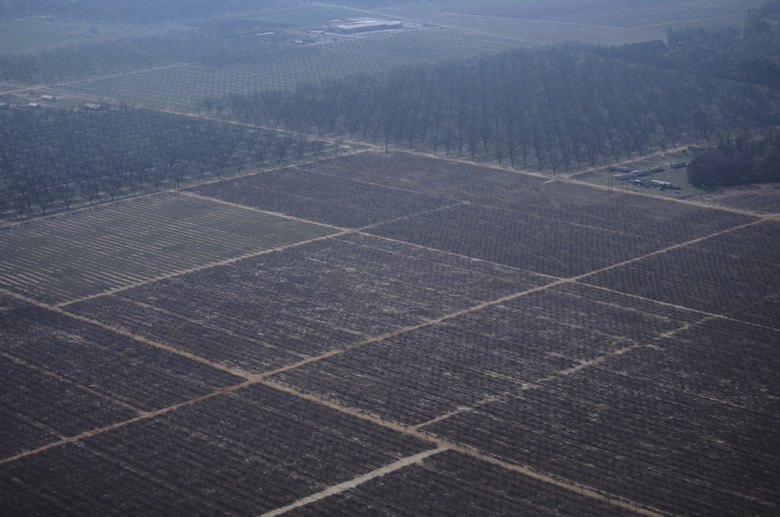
(626, 175)
(662, 184)
(638, 173)
(355, 26)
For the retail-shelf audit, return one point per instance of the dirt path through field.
(359, 480)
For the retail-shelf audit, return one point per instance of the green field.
(30, 34)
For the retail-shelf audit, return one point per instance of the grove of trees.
(55, 159)
(737, 163)
(554, 109)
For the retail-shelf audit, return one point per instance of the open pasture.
(622, 13)
(560, 350)
(112, 246)
(29, 33)
(603, 22)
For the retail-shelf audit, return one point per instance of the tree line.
(552, 109)
(738, 162)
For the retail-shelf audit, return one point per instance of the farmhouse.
(354, 26)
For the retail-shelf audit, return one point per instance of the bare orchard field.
(115, 245)
(738, 275)
(391, 335)
(326, 295)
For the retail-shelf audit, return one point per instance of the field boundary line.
(144, 70)
(554, 283)
(202, 267)
(459, 255)
(410, 328)
(206, 325)
(710, 315)
(577, 278)
(568, 177)
(445, 444)
(126, 333)
(117, 425)
(258, 210)
(60, 378)
(357, 481)
(535, 384)
(456, 204)
(562, 483)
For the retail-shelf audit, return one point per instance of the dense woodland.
(737, 163)
(555, 110)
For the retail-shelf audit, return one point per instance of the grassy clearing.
(313, 16)
(29, 34)
(679, 177)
